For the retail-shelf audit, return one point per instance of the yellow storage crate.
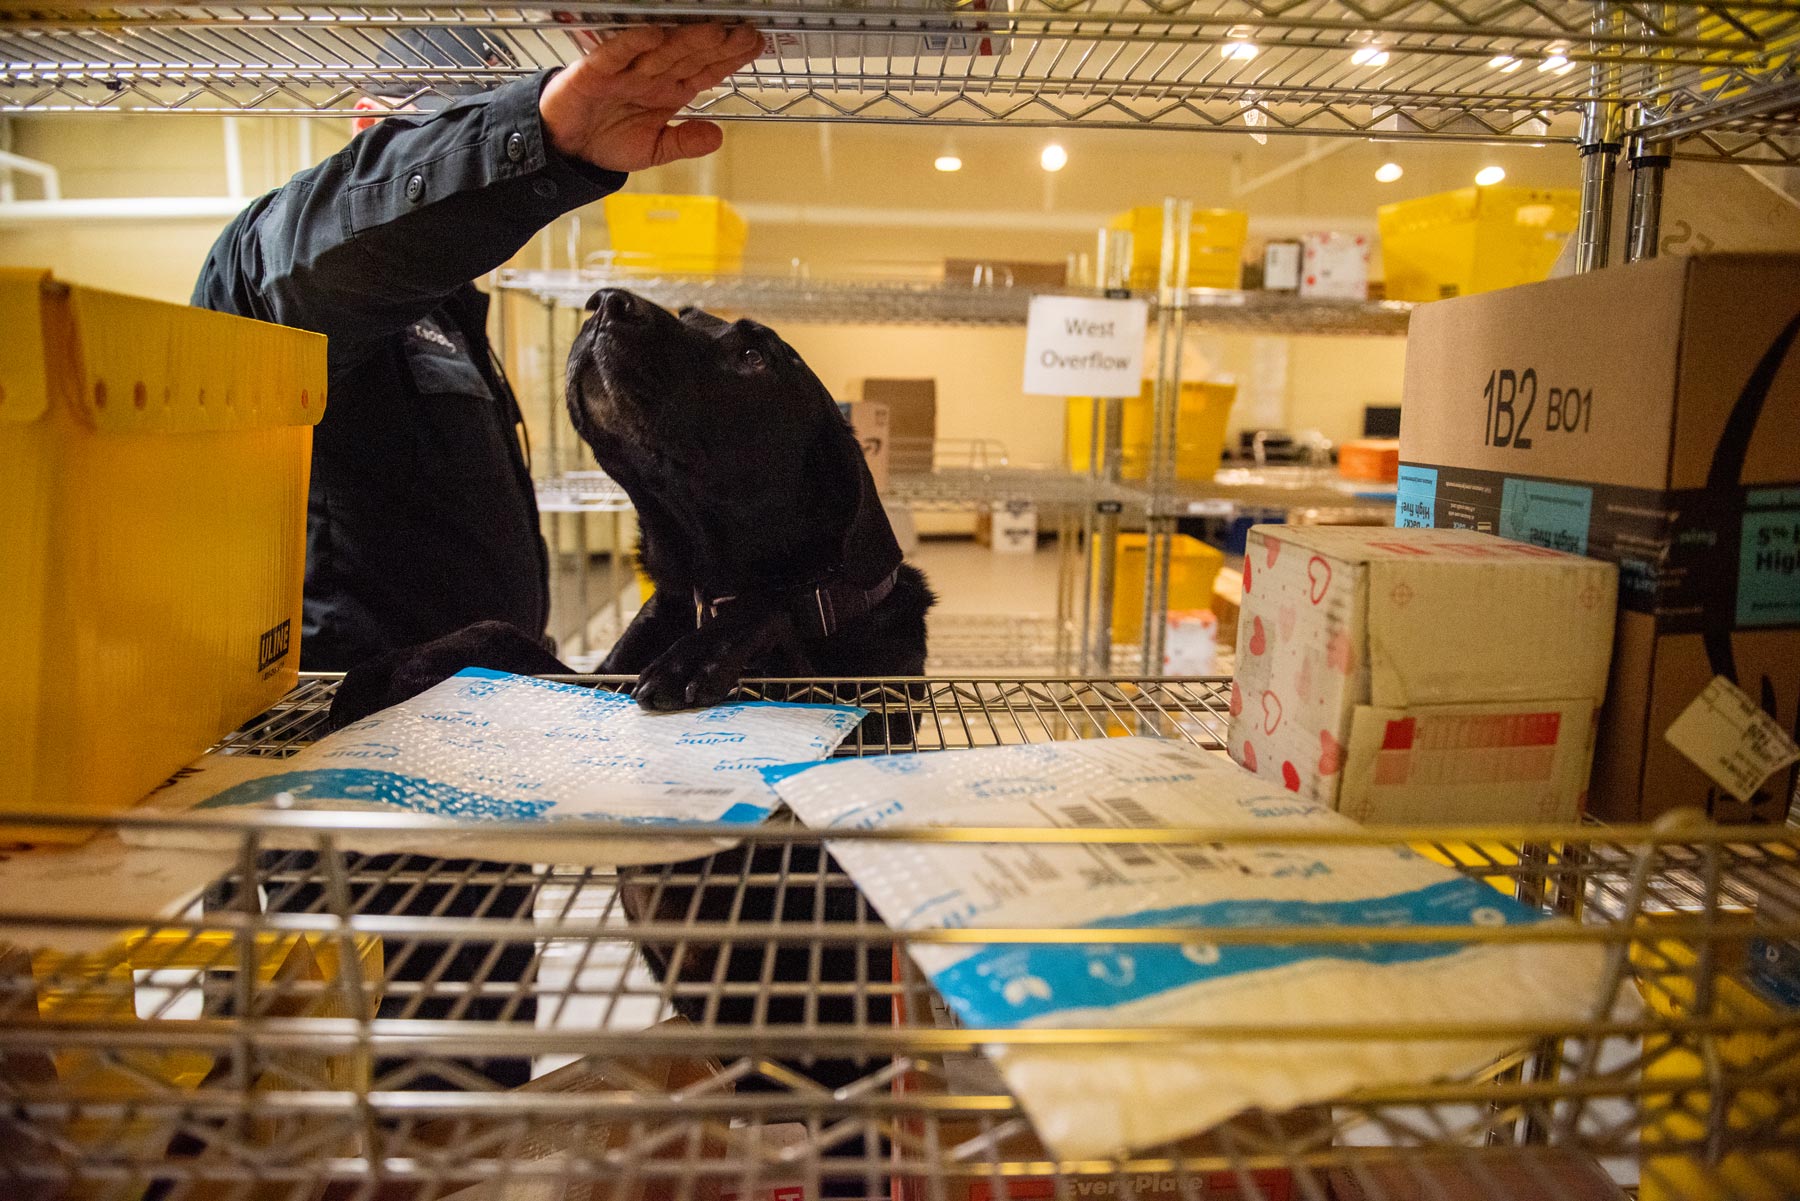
(153, 473)
(1474, 239)
(1215, 246)
(1204, 409)
(654, 234)
(297, 975)
(1193, 566)
(1747, 1075)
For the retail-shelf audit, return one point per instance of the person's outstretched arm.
(376, 237)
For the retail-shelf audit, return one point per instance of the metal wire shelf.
(902, 302)
(317, 1031)
(1401, 67)
(1237, 491)
(1414, 68)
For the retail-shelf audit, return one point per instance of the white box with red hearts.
(1420, 675)
(1335, 267)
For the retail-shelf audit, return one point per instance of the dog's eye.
(752, 358)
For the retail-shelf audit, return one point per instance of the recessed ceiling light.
(1489, 175)
(1389, 172)
(1370, 56)
(948, 162)
(1555, 62)
(1504, 62)
(1054, 157)
(1242, 51)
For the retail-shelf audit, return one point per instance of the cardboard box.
(912, 420)
(871, 422)
(1334, 267)
(1647, 415)
(153, 478)
(1008, 527)
(1435, 676)
(1004, 273)
(1516, 1173)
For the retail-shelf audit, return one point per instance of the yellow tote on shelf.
(1474, 239)
(682, 234)
(1193, 566)
(153, 472)
(297, 976)
(1199, 432)
(1715, 1072)
(1215, 246)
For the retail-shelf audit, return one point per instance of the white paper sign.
(1076, 346)
(1731, 739)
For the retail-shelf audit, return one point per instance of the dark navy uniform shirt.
(421, 517)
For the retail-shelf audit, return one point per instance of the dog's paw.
(686, 676)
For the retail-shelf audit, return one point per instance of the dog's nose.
(617, 305)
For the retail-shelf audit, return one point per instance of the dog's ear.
(861, 535)
(701, 319)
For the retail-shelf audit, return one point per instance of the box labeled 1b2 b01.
(1648, 415)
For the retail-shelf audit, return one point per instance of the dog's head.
(723, 430)
(693, 394)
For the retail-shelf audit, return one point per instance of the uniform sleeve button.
(544, 188)
(515, 147)
(415, 188)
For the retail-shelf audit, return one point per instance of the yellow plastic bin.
(1215, 246)
(1193, 566)
(652, 234)
(1737, 1073)
(1199, 431)
(298, 976)
(1474, 240)
(153, 472)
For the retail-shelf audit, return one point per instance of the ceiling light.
(1389, 172)
(1370, 56)
(948, 162)
(1243, 51)
(1489, 175)
(1054, 157)
(1504, 62)
(1555, 62)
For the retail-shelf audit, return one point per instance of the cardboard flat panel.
(1482, 371)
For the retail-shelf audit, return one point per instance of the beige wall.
(1000, 205)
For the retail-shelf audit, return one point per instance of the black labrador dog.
(759, 522)
(771, 555)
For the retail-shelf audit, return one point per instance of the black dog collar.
(826, 608)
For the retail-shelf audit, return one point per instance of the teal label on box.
(1416, 498)
(1545, 514)
(1768, 587)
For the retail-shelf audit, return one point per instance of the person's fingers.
(617, 50)
(741, 49)
(690, 139)
(685, 44)
(710, 78)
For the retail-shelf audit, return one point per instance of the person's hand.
(613, 108)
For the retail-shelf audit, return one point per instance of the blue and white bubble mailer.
(1095, 1101)
(484, 746)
